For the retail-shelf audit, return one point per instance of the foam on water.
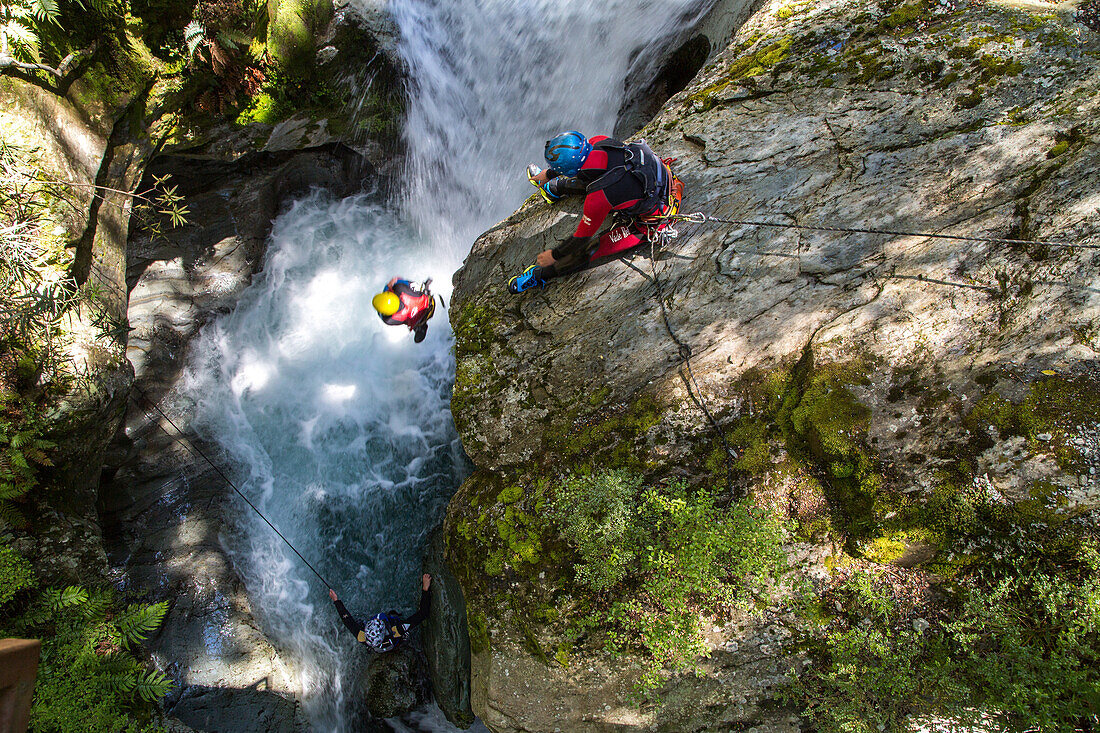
(339, 426)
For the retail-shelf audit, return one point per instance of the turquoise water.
(338, 427)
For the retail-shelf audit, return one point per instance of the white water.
(339, 426)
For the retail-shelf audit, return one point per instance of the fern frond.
(37, 456)
(152, 685)
(59, 600)
(122, 681)
(44, 10)
(95, 608)
(138, 621)
(10, 516)
(23, 39)
(194, 33)
(10, 490)
(226, 41)
(102, 7)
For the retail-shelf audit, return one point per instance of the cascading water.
(338, 425)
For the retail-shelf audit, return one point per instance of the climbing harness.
(651, 173)
(194, 450)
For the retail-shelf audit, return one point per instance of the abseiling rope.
(183, 440)
(701, 218)
(684, 352)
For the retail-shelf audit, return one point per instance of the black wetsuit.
(397, 628)
(575, 251)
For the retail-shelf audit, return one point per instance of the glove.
(547, 194)
(544, 188)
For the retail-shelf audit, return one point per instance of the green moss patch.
(611, 437)
(1055, 409)
(745, 66)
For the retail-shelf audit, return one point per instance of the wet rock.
(446, 639)
(395, 683)
(937, 334)
(163, 507)
(253, 710)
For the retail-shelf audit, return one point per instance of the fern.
(152, 685)
(44, 10)
(194, 33)
(10, 516)
(9, 490)
(60, 599)
(36, 455)
(120, 672)
(138, 621)
(95, 608)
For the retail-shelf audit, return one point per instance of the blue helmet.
(565, 152)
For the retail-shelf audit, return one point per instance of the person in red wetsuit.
(407, 303)
(627, 179)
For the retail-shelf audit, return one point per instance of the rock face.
(896, 357)
(164, 507)
(78, 137)
(654, 77)
(445, 638)
(395, 683)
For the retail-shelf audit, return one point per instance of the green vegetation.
(789, 11)
(1020, 643)
(88, 680)
(637, 564)
(22, 450)
(905, 15)
(88, 677)
(16, 575)
(503, 531)
(1055, 407)
(651, 560)
(745, 66)
(473, 330)
(970, 100)
(607, 439)
(810, 413)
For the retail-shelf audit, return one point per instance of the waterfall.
(338, 426)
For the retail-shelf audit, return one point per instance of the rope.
(684, 352)
(194, 449)
(699, 218)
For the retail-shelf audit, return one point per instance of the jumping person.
(386, 631)
(408, 303)
(626, 179)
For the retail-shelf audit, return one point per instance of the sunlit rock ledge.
(878, 373)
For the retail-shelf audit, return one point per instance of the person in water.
(626, 179)
(385, 632)
(406, 303)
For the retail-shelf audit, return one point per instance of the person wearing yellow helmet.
(406, 303)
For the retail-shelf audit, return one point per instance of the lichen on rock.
(880, 390)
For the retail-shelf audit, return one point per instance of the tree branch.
(66, 65)
(8, 61)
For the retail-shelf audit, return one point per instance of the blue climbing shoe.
(526, 279)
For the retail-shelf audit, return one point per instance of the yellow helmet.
(386, 303)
